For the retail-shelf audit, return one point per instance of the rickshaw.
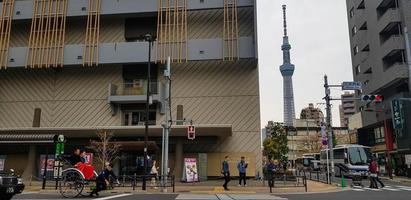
(72, 182)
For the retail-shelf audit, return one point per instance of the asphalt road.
(393, 191)
(361, 194)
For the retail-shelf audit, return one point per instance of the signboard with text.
(408, 159)
(2, 164)
(351, 86)
(397, 114)
(190, 168)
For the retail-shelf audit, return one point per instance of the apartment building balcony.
(137, 52)
(391, 16)
(392, 46)
(75, 8)
(133, 92)
(348, 105)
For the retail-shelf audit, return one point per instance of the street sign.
(191, 132)
(408, 159)
(397, 114)
(351, 86)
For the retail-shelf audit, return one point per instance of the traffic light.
(371, 98)
(191, 132)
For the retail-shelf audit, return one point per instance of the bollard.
(343, 185)
(134, 181)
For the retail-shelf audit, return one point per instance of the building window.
(358, 69)
(352, 12)
(137, 118)
(356, 50)
(379, 136)
(354, 30)
(135, 29)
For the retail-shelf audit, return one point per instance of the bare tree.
(312, 144)
(105, 149)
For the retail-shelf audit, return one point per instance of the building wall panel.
(19, 36)
(69, 97)
(210, 23)
(217, 92)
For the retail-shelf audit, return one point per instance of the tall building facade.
(313, 113)
(287, 71)
(380, 60)
(78, 67)
(347, 108)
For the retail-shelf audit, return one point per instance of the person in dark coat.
(271, 167)
(226, 172)
(103, 179)
(242, 170)
(75, 157)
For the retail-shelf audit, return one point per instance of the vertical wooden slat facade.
(91, 44)
(230, 32)
(172, 31)
(47, 34)
(5, 29)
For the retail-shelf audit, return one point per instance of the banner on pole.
(324, 135)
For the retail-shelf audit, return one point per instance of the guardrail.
(284, 180)
(314, 176)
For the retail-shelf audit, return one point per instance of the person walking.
(242, 170)
(154, 174)
(372, 168)
(226, 172)
(270, 172)
(377, 179)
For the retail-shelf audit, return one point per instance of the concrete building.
(381, 61)
(308, 138)
(77, 67)
(347, 108)
(313, 113)
(287, 71)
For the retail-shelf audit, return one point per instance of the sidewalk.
(207, 187)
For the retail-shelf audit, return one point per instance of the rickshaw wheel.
(71, 184)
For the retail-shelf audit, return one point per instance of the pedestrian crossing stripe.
(357, 189)
(406, 188)
(372, 189)
(390, 189)
(386, 188)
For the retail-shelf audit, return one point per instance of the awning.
(26, 138)
(206, 130)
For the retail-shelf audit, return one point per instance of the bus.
(349, 159)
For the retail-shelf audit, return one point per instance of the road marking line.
(372, 189)
(357, 189)
(113, 197)
(390, 189)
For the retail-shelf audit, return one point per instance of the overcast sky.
(318, 34)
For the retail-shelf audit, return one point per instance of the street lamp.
(148, 38)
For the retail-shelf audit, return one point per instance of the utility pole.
(329, 126)
(149, 39)
(166, 125)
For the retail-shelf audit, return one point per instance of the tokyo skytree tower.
(287, 71)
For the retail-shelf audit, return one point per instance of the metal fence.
(285, 181)
(124, 181)
(314, 176)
